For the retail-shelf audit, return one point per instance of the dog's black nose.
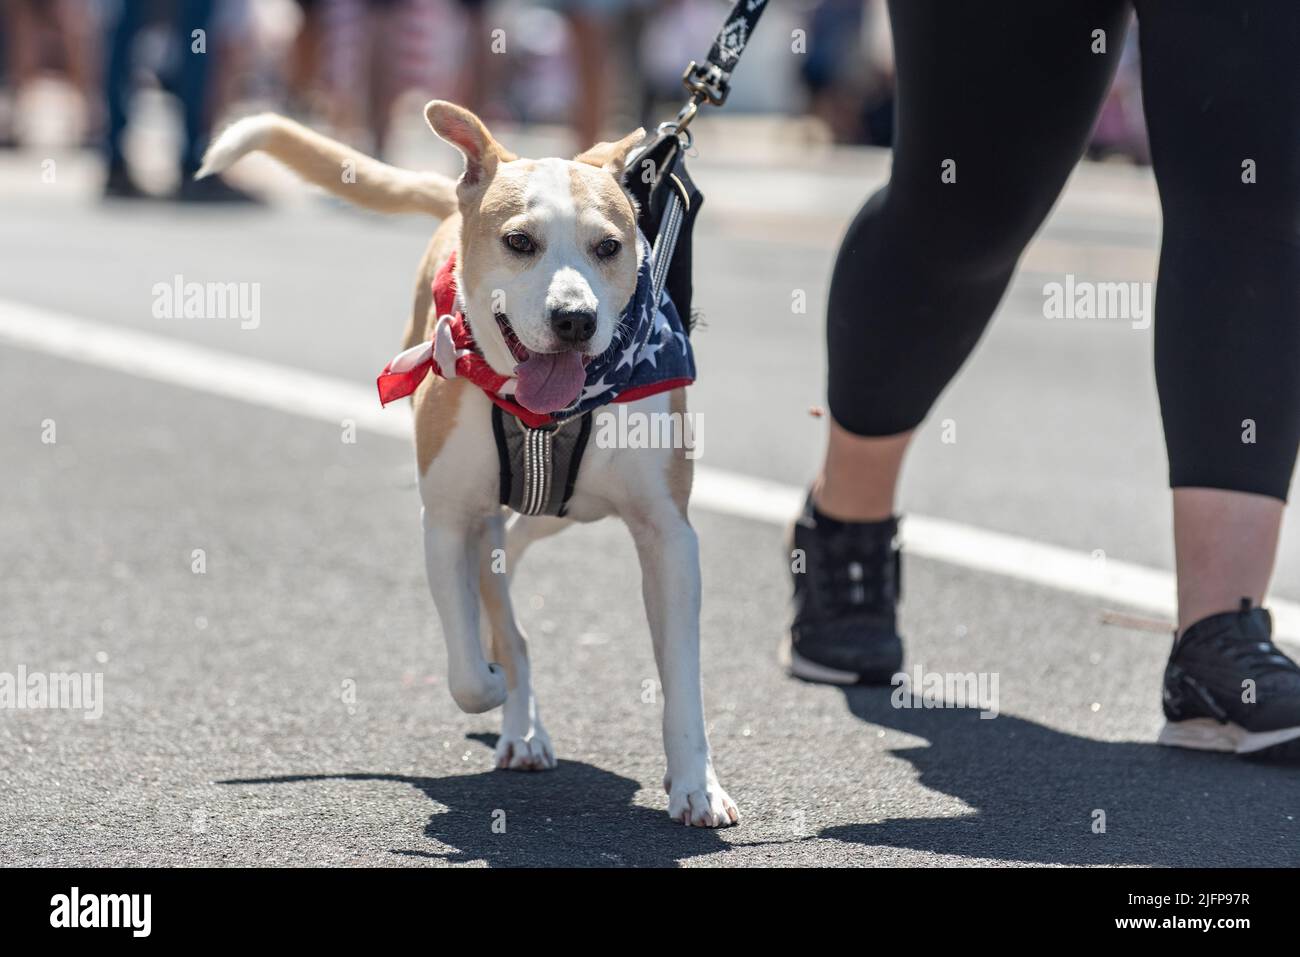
(573, 325)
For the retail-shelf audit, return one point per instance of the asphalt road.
(288, 706)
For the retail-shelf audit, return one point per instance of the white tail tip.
(241, 137)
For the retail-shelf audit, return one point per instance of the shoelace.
(850, 574)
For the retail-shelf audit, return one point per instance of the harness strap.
(670, 227)
(538, 467)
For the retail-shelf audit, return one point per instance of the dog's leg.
(451, 559)
(524, 744)
(523, 530)
(670, 584)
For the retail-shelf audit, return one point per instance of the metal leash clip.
(706, 81)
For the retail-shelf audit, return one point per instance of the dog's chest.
(632, 456)
(632, 452)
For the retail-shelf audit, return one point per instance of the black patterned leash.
(710, 81)
(707, 82)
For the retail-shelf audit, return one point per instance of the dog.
(545, 256)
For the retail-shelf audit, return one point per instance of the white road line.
(332, 400)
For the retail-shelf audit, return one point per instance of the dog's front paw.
(702, 804)
(530, 752)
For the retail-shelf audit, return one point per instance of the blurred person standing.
(595, 27)
(35, 33)
(849, 70)
(189, 75)
(304, 65)
(373, 52)
(475, 76)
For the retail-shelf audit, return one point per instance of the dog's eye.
(520, 243)
(607, 248)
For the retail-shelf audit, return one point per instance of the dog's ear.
(465, 131)
(612, 156)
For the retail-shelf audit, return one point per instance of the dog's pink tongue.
(548, 382)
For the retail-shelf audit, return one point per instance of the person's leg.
(927, 259)
(117, 80)
(195, 80)
(1223, 107)
(1224, 545)
(22, 42)
(303, 69)
(590, 33)
(472, 86)
(922, 268)
(17, 47)
(403, 33)
(858, 481)
(199, 88)
(74, 24)
(385, 72)
(345, 43)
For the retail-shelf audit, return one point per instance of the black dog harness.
(539, 467)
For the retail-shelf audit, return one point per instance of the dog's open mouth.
(546, 382)
(517, 348)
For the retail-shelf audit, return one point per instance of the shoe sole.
(800, 667)
(1206, 734)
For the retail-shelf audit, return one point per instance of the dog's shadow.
(1040, 795)
(577, 815)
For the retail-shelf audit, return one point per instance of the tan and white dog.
(555, 241)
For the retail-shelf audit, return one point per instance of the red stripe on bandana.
(654, 388)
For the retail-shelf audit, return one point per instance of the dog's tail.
(333, 166)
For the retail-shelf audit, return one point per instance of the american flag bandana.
(650, 353)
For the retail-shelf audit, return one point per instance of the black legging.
(1009, 90)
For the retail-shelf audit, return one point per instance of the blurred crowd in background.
(345, 65)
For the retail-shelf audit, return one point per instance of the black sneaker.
(847, 582)
(212, 189)
(1229, 688)
(119, 184)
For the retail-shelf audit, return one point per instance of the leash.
(656, 173)
(710, 81)
(539, 466)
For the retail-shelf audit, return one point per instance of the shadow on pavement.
(1034, 791)
(575, 816)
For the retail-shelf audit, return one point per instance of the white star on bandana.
(629, 355)
(648, 353)
(596, 388)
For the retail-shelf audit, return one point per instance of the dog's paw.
(531, 752)
(702, 806)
